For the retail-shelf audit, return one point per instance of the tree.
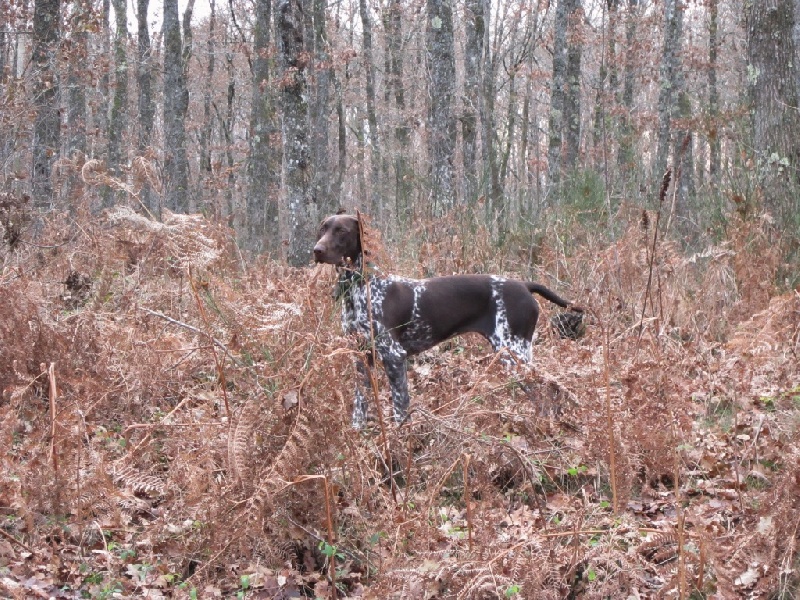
(118, 122)
(146, 106)
(262, 194)
(176, 103)
(372, 120)
(572, 85)
(772, 74)
(441, 120)
(302, 214)
(670, 66)
(474, 29)
(47, 120)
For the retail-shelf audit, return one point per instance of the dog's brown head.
(339, 240)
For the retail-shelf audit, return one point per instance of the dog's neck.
(351, 274)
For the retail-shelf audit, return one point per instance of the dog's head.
(339, 240)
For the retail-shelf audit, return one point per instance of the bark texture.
(302, 215)
(47, 120)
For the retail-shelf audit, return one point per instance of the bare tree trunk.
(77, 52)
(319, 132)
(263, 192)
(626, 157)
(118, 122)
(47, 121)
(667, 105)
(176, 103)
(302, 213)
(205, 174)
(474, 24)
(441, 121)
(773, 88)
(572, 89)
(557, 96)
(713, 93)
(146, 106)
(402, 133)
(372, 139)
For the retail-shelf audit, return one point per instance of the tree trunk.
(319, 132)
(572, 89)
(474, 24)
(77, 52)
(47, 120)
(557, 96)
(146, 106)
(626, 157)
(262, 193)
(206, 172)
(119, 105)
(176, 103)
(372, 139)
(441, 127)
(713, 93)
(667, 105)
(302, 214)
(402, 133)
(773, 90)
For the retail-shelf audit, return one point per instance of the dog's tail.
(537, 288)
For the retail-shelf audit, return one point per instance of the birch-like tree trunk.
(264, 163)
(302, 215)
(47, 120)
(441, 128)
(176, 103)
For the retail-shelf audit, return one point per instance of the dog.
(407, 316)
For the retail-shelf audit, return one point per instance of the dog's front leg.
(394, 363)
(363, 387)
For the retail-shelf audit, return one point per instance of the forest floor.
(175, 422)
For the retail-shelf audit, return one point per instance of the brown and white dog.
(409, 316)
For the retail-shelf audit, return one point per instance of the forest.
(176, 386)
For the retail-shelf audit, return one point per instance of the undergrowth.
(175, 423)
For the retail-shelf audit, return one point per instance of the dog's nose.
(319, 250)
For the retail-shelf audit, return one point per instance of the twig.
(612, 450)
(51, 372)
(467, 492)
(14, 540)
(169, 319)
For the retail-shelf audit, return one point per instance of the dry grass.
(174, 419)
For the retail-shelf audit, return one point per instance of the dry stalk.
(651, 259)
(612, 453)
(467, 458)
(371, 368)
(51, 372)
(680, 512)
(220, 369)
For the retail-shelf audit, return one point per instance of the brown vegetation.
(175, 421)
